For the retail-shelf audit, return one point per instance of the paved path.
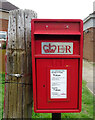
(89, 75)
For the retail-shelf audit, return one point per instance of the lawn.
(2, 79)
(87, 104)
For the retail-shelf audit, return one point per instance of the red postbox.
(57, 52)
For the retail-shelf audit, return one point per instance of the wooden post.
(18, 84)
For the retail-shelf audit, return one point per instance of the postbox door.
(53, 99)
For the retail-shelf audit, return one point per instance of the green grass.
(87, 104)
(2, 79)
(87, 107)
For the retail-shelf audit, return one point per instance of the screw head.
(46, 26)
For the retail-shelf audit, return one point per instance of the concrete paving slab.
(88, 75)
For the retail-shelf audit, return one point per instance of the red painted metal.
(57, 30)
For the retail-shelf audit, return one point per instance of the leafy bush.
(4, 46)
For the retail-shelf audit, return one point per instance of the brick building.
(89, 37)
(5, 7)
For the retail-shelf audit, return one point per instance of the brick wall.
(89, 44)
(3, 25)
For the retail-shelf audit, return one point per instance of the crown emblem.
(49, 48)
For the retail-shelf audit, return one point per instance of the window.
(3, 35)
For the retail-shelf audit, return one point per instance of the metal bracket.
(15, 75)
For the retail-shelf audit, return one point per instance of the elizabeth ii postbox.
(57, 51)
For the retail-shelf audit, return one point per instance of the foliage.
(4, 45)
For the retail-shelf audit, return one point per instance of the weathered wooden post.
(18, 87)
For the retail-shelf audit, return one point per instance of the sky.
(57, 9)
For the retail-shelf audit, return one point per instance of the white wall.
(89, 22)
(4, 15)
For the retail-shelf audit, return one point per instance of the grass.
(87, 104)
(2, 79)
